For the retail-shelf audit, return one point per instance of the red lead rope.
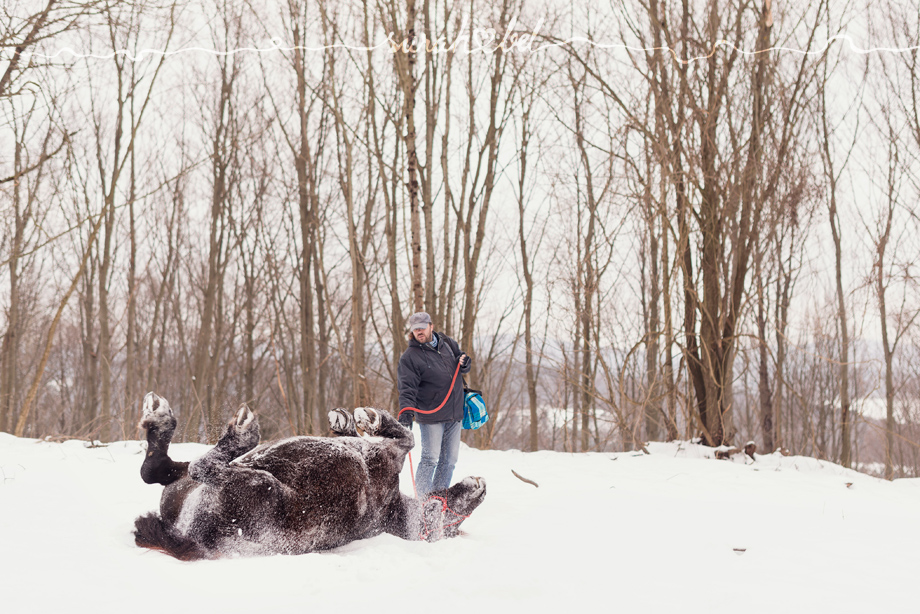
(430, 411)
(426, 531)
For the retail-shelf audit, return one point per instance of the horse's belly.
(197, 500)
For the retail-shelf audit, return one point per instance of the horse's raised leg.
(342, 423)
(160, 423)
(241, 436)
(379, 423)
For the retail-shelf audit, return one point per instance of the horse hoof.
(243, 418)
(368, 419)
(241, 435)
(339, 420)
(157, 413)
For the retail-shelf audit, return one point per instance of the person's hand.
(464, 360)
(407, 418)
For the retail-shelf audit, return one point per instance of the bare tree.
(358, 216)
(133, 90)
(888, 270)
(730, 213)
(24, 33)
(405, 59)
(224, 135)
(40, 370)
(529, 100)
(833, 169)
(27, 218)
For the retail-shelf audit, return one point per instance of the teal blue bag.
(474, 409)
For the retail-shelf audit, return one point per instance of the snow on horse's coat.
(292, 496)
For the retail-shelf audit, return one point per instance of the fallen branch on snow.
(523, 479)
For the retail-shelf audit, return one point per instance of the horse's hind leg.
(342, 423)
(241, 436)
(160, 423)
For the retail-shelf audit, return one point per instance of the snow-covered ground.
(672, 531)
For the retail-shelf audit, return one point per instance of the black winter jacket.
(424, 376)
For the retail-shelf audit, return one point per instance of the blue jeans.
(440, 450)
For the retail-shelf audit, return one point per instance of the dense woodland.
(643, 220)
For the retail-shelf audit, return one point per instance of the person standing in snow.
(426, 370)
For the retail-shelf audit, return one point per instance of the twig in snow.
(523, 479)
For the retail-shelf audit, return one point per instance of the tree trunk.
(104, 348)
(589, 285)
(305, 166)
(530, 375)
(763, 379)
(206, 408)
(390, 191)
(405, 62)
(323, 338)
(131, 397)
(346, 166)
(842, 321)
(10, 355)
(880, 288)
(783, 288)
(652, 405)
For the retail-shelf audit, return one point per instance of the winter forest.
(644, 221)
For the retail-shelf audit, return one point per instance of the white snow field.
(671, 531)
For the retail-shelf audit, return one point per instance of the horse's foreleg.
(379, 423)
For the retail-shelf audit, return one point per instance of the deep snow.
(672, 531)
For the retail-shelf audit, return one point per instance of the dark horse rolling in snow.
(292, 496)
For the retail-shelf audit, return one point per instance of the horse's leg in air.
(240, 436)
(160, 423)
(342, 423)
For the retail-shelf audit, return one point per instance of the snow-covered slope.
(671, 531)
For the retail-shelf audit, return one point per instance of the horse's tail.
(151, 532)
